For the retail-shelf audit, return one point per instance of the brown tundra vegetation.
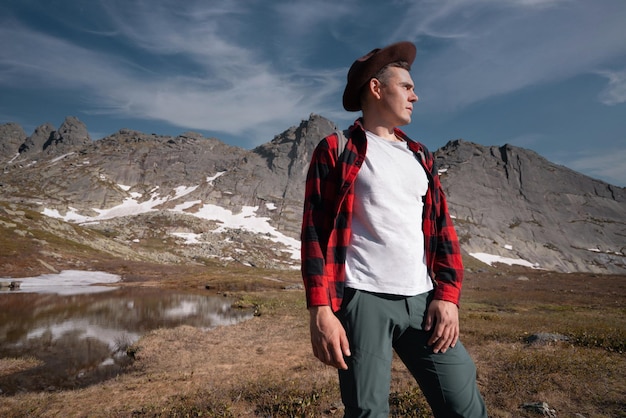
(264, 367)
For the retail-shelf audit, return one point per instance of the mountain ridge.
(507, 201)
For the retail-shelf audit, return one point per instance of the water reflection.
(82, 339)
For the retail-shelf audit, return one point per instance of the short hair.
(382, 75)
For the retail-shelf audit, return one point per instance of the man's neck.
(384, 132)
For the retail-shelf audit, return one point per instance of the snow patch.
(210, 179)
(490, 259)
(186, 205)
(598, 250)
(247, 219)
(60, 157)
(129, 207)
(189, 237)
(183, 191)
(68, 282)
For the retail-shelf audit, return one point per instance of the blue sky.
(548, 75)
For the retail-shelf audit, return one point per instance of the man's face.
(396, 97)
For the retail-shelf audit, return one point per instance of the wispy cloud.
(488, 48)
(303, 16)
(210, 79)
(245, 67)
(615, 91)
(607, 164)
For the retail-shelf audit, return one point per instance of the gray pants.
(376, 325)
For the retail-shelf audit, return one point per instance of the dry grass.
(264, 367)
(580, 375)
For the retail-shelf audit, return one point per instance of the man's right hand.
(328, 337)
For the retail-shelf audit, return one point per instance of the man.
(381, 261)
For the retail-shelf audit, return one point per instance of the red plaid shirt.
(327, 220)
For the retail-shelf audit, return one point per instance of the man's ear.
(375, 86)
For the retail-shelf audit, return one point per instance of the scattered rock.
(293, 287)
(12, 285)
(546, 338)
(541, 408)
(48, 266)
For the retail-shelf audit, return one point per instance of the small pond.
(76, 333)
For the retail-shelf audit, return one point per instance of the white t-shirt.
(386, 251)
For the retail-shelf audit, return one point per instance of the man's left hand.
(445, 318)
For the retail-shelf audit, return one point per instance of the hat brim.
(364, 68)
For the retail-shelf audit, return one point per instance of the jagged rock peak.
(11, 137)
(464, 150)
(193, 142)
(313, 130)
(73, 130)
(193, 135)
(519, 164)
(71, 134)
(296, 143)
(35, 143)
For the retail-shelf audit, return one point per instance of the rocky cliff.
(512, 202)
(201, 198)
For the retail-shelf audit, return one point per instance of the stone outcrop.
(11, 137)
(71, 134)
(35, 143)
(517, 204)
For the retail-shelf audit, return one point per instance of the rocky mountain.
(512, 202)
(191, 198)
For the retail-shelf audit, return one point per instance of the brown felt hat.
(364, 68)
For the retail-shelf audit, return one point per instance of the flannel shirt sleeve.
(448, 263)
(316, 225)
